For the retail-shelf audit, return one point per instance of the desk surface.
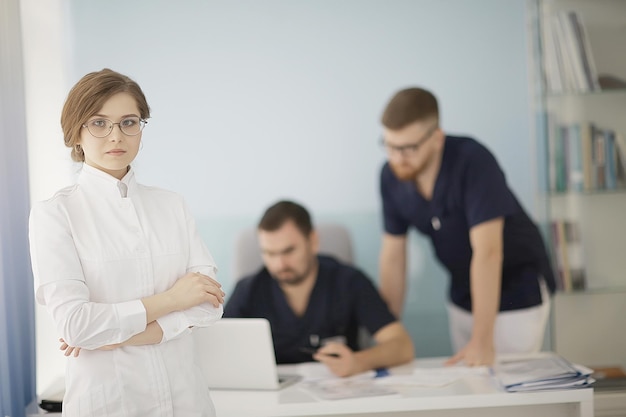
(472, 395)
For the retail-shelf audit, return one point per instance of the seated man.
(315, 304)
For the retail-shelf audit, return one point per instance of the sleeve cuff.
(174, 325)
(210, 270)
(132, 318)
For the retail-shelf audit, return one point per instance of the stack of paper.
(538, 374)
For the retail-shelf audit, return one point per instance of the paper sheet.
(432, 377)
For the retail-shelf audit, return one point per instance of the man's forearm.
(393, 273)
(485, 288)
(387, 354)
(393, 347)
(392, 289)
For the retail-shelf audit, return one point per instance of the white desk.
(470, 396)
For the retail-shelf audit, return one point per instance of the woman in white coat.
(121, 268)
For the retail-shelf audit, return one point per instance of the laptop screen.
(238, 354)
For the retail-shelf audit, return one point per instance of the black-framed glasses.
(101, 128)
(410, 148)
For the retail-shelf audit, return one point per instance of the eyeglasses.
(101, 128)
(411, 148)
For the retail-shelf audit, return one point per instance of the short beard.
(297, 279)
(404, 174)
(291, 282)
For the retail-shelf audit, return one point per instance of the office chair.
(334, 239)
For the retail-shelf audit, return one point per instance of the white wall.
(237, 86)
(46, 60)
(254, 101)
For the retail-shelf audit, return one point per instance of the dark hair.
(88, 96)
(408, 106)
(279, 213)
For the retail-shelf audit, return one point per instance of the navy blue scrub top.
(470, 189)
(342, 300)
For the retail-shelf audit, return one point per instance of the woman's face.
(114, 152)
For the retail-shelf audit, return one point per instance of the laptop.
(239, 354)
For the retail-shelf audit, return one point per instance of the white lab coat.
(95, 254)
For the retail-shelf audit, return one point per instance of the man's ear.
(314, 240)
(440, 137)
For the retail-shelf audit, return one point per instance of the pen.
(313, 351)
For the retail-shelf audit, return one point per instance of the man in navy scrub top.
(315, 304)
(452, 190)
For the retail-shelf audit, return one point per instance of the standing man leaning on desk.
(453, 190)
(311, 299)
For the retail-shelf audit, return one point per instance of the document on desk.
(432, 377)
(540, 374)
(363, 385)
(325, 386)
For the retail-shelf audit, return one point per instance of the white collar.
(106, 183)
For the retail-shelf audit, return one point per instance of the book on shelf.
(620, 159)
(585, 157)
(598, 155)
(567, 36)
(552, 59)
(610, 167)
(574, 158)
(565, 65)
(586, 131)
(568, 253)
(558, 160)
(584, 55)
(568, 60)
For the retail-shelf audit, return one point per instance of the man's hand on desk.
(339, 358)
(476, 353)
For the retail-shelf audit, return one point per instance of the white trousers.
(516, 331)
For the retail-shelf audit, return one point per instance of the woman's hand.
(69, 349)
(190, 290)
(193, 289)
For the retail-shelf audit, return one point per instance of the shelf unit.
(581, 128)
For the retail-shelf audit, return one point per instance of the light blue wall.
(258, 100)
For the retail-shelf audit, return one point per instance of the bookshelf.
(579, 57)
